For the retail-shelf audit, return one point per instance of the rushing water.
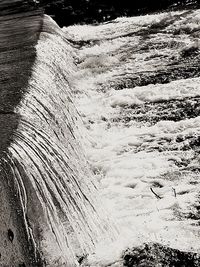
(50, 211)
(124, 96)
(138, 91)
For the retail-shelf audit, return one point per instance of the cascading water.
(136, 87)
(50, 212)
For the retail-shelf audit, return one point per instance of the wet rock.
(156, 255)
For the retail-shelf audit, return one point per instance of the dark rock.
(156, 255)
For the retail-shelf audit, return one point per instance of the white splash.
(139, 163)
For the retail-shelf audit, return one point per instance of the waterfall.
(50, 211)
(97, 120)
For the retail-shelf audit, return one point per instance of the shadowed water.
(19, 34)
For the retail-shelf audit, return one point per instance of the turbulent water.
(109, 110)
(138, 91)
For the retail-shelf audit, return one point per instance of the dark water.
(67, 12)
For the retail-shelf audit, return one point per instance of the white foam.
(125, 156)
